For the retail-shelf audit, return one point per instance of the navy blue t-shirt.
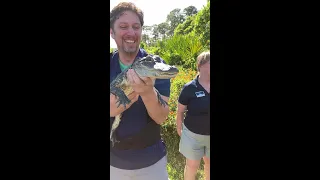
(132, 121)
(197, 100)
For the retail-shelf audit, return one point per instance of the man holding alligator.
(138, 151)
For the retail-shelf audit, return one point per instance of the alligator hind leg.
(161, 101)
(113, 138)
(115, 124)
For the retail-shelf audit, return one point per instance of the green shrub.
(181, 50)
(202, 25)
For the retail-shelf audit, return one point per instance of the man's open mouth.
(129, 41)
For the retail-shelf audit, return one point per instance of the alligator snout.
(174, 69)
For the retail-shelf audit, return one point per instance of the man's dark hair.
(124, 6)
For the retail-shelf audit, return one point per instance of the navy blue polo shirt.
(197, 100)
(132, 121)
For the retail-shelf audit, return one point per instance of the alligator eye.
(157, 58)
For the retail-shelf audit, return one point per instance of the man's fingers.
(134, 77)
(129, 76)
(113, 97)
(132, 95)
(135, 98)
(148, 80)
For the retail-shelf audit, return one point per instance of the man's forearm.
(156, 111)
(116, 111)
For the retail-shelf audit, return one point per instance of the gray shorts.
(194, 146)
(157, 171)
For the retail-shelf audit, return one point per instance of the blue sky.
(156, 11)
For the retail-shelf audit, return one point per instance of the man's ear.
(111, 33)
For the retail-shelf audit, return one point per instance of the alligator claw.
(124, 100)
(113, 139)
(161, 101)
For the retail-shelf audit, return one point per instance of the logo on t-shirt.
(200, 94)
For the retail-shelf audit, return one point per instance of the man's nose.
(131, 31)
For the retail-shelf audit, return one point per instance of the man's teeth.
(129, 41)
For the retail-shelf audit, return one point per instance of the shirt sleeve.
(183, 97)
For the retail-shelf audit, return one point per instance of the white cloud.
(155, 12)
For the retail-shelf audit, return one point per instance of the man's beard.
(130, 50)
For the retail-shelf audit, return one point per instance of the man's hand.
(115, 110)
(141, 85)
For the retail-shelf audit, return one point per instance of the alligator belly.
(124, 85)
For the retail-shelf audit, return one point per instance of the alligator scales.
(149, 66)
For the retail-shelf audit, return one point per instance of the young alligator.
(149, 66)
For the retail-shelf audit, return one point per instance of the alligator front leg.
(161, 101)
(122, 98)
